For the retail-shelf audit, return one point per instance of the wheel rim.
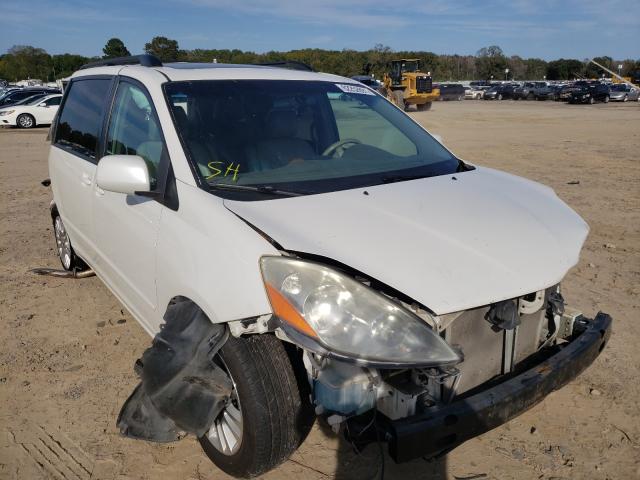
(225, 435)
(63, 243)
(25, 121)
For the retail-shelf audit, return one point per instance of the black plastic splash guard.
(181, 388)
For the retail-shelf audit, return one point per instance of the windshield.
(305, 137)
(619, 88)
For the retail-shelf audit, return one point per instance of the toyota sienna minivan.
(299, 247)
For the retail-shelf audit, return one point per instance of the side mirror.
(42, 104)
(126, 174)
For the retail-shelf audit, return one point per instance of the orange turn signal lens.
(285, 311)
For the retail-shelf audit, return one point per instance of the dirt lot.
(68, 346)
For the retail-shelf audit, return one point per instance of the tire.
(398, 98)
(25, 121)
(530, 96)
(67, 255)
(423, 107)
(275, 417)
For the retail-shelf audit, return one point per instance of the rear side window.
(81, 117)
(53, 101)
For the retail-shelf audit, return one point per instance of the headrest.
(281, 123)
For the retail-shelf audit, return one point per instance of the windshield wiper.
(269, 189)
(402, 178)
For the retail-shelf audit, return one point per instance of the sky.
(547, 29)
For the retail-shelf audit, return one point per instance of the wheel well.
(53, 210)
(294, 352)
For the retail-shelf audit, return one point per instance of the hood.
(449, 242)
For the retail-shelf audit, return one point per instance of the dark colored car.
(451, 91)
(591, 93)
(526, 90)
(546, 92)
(564, 93)
(500, 92)
(369, 82)
(18, 95)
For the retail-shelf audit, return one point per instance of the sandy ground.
(68, 346)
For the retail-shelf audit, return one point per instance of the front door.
(126, 226)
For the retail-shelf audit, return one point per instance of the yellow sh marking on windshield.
(215, 171)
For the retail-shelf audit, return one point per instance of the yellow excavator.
(406, 85)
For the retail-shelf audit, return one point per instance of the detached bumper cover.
(443, 428)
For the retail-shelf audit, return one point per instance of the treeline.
(23, 62)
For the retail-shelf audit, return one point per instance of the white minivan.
(299, 247)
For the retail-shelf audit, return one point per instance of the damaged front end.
(488, 364)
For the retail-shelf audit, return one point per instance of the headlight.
(348, 318)
(6, 112)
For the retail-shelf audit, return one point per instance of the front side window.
(134, 128)
(81, 118)
(308, 137)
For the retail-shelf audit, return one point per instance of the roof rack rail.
(290, 64)
(146, 60)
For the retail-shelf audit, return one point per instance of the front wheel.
(423, 107)
(26, 121)
(267, 418)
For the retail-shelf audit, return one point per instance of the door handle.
(86, 179)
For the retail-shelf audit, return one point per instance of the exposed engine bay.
(493, 341)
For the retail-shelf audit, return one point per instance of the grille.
(423, 84)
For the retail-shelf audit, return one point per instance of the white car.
(299, 246)
(41, 111)
(473, 93)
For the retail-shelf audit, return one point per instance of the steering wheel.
(337, 149)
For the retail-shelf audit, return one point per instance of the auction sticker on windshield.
(354, 89)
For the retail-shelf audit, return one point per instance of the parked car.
(369, 82)
(39, 111)
(564, 93)
(30, 99)
(623, 93)
(526, 90)
(591, 93)
(546, 92)
(296, 253)
(451, 91)
(499, 92)
(474, 93)
(14, 96)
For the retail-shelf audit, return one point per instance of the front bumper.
(440, 429)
